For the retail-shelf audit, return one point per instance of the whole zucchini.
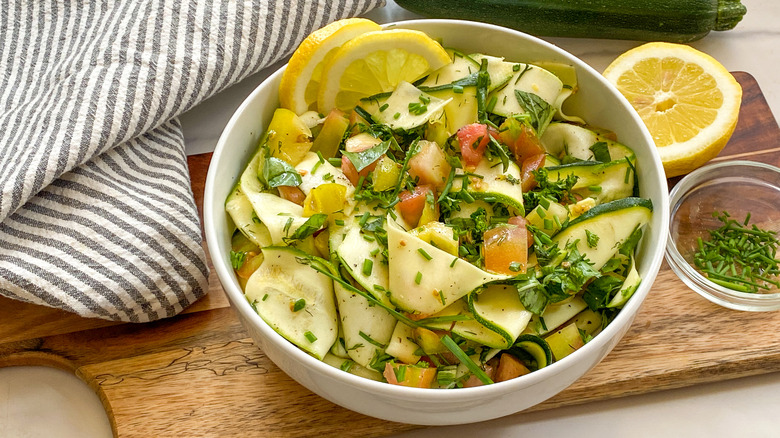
(676, 21)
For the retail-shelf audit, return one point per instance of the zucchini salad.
(454, 229)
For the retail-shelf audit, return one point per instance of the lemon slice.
(301, 79)
(687, 99)
(376, 62)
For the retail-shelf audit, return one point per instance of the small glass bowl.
(739, 188)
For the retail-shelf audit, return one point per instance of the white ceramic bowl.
(597, 101)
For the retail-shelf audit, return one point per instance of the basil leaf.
(278, 172)
(540, 111)
(600, 151)
(311, 226)
(361, 160)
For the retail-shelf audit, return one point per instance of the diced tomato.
(522, 222)
(521, 139)
(412, 204)
(293, 194)
(430, 165)
(530, 164)
(506, 249)
(409, 375)
(473, 140)
(510, 367)
(352, 174)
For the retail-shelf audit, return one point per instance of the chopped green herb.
(465, 359)
(237, 259)
(265, 297)
(383, 107)
(418, 277)
(310, 336)
(363, 159)
(278, 172)
(593, 238)
(299, 305)
(368, 266)
(371, 341)
(539, 110)
(424, 254)
(745, 256)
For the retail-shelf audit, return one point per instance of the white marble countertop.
(50, 403)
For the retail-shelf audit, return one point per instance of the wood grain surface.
(199, 374)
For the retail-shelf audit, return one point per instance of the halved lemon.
(301, 79)
(687, 99)
(376, 62)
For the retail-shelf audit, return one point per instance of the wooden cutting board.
(199, 374)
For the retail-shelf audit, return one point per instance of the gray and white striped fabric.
(96, 212)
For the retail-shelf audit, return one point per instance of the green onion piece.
(310, 336)
(418, 277)
(424, 254)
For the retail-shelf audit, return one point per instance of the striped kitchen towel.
(96, 212)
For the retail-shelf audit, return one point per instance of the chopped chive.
(442, 299)
(265, 297)
(364, 218)
(465, 359)
(424, 254)
(339, 222)
(396, 116)
(336, 162)
(370, 340)
(418, 277)
(453, 262)
(368, 267)
(383, 107)
(541, 212)
(595, 189)
(374, 252)
(310, 336)
(287, 225)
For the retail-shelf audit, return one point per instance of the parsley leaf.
(557, 191)
(599, 291)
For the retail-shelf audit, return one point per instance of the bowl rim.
(690, 275)
(623, 319)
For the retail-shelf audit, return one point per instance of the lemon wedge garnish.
(687, 99)
(301, 79)
(376, 62)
